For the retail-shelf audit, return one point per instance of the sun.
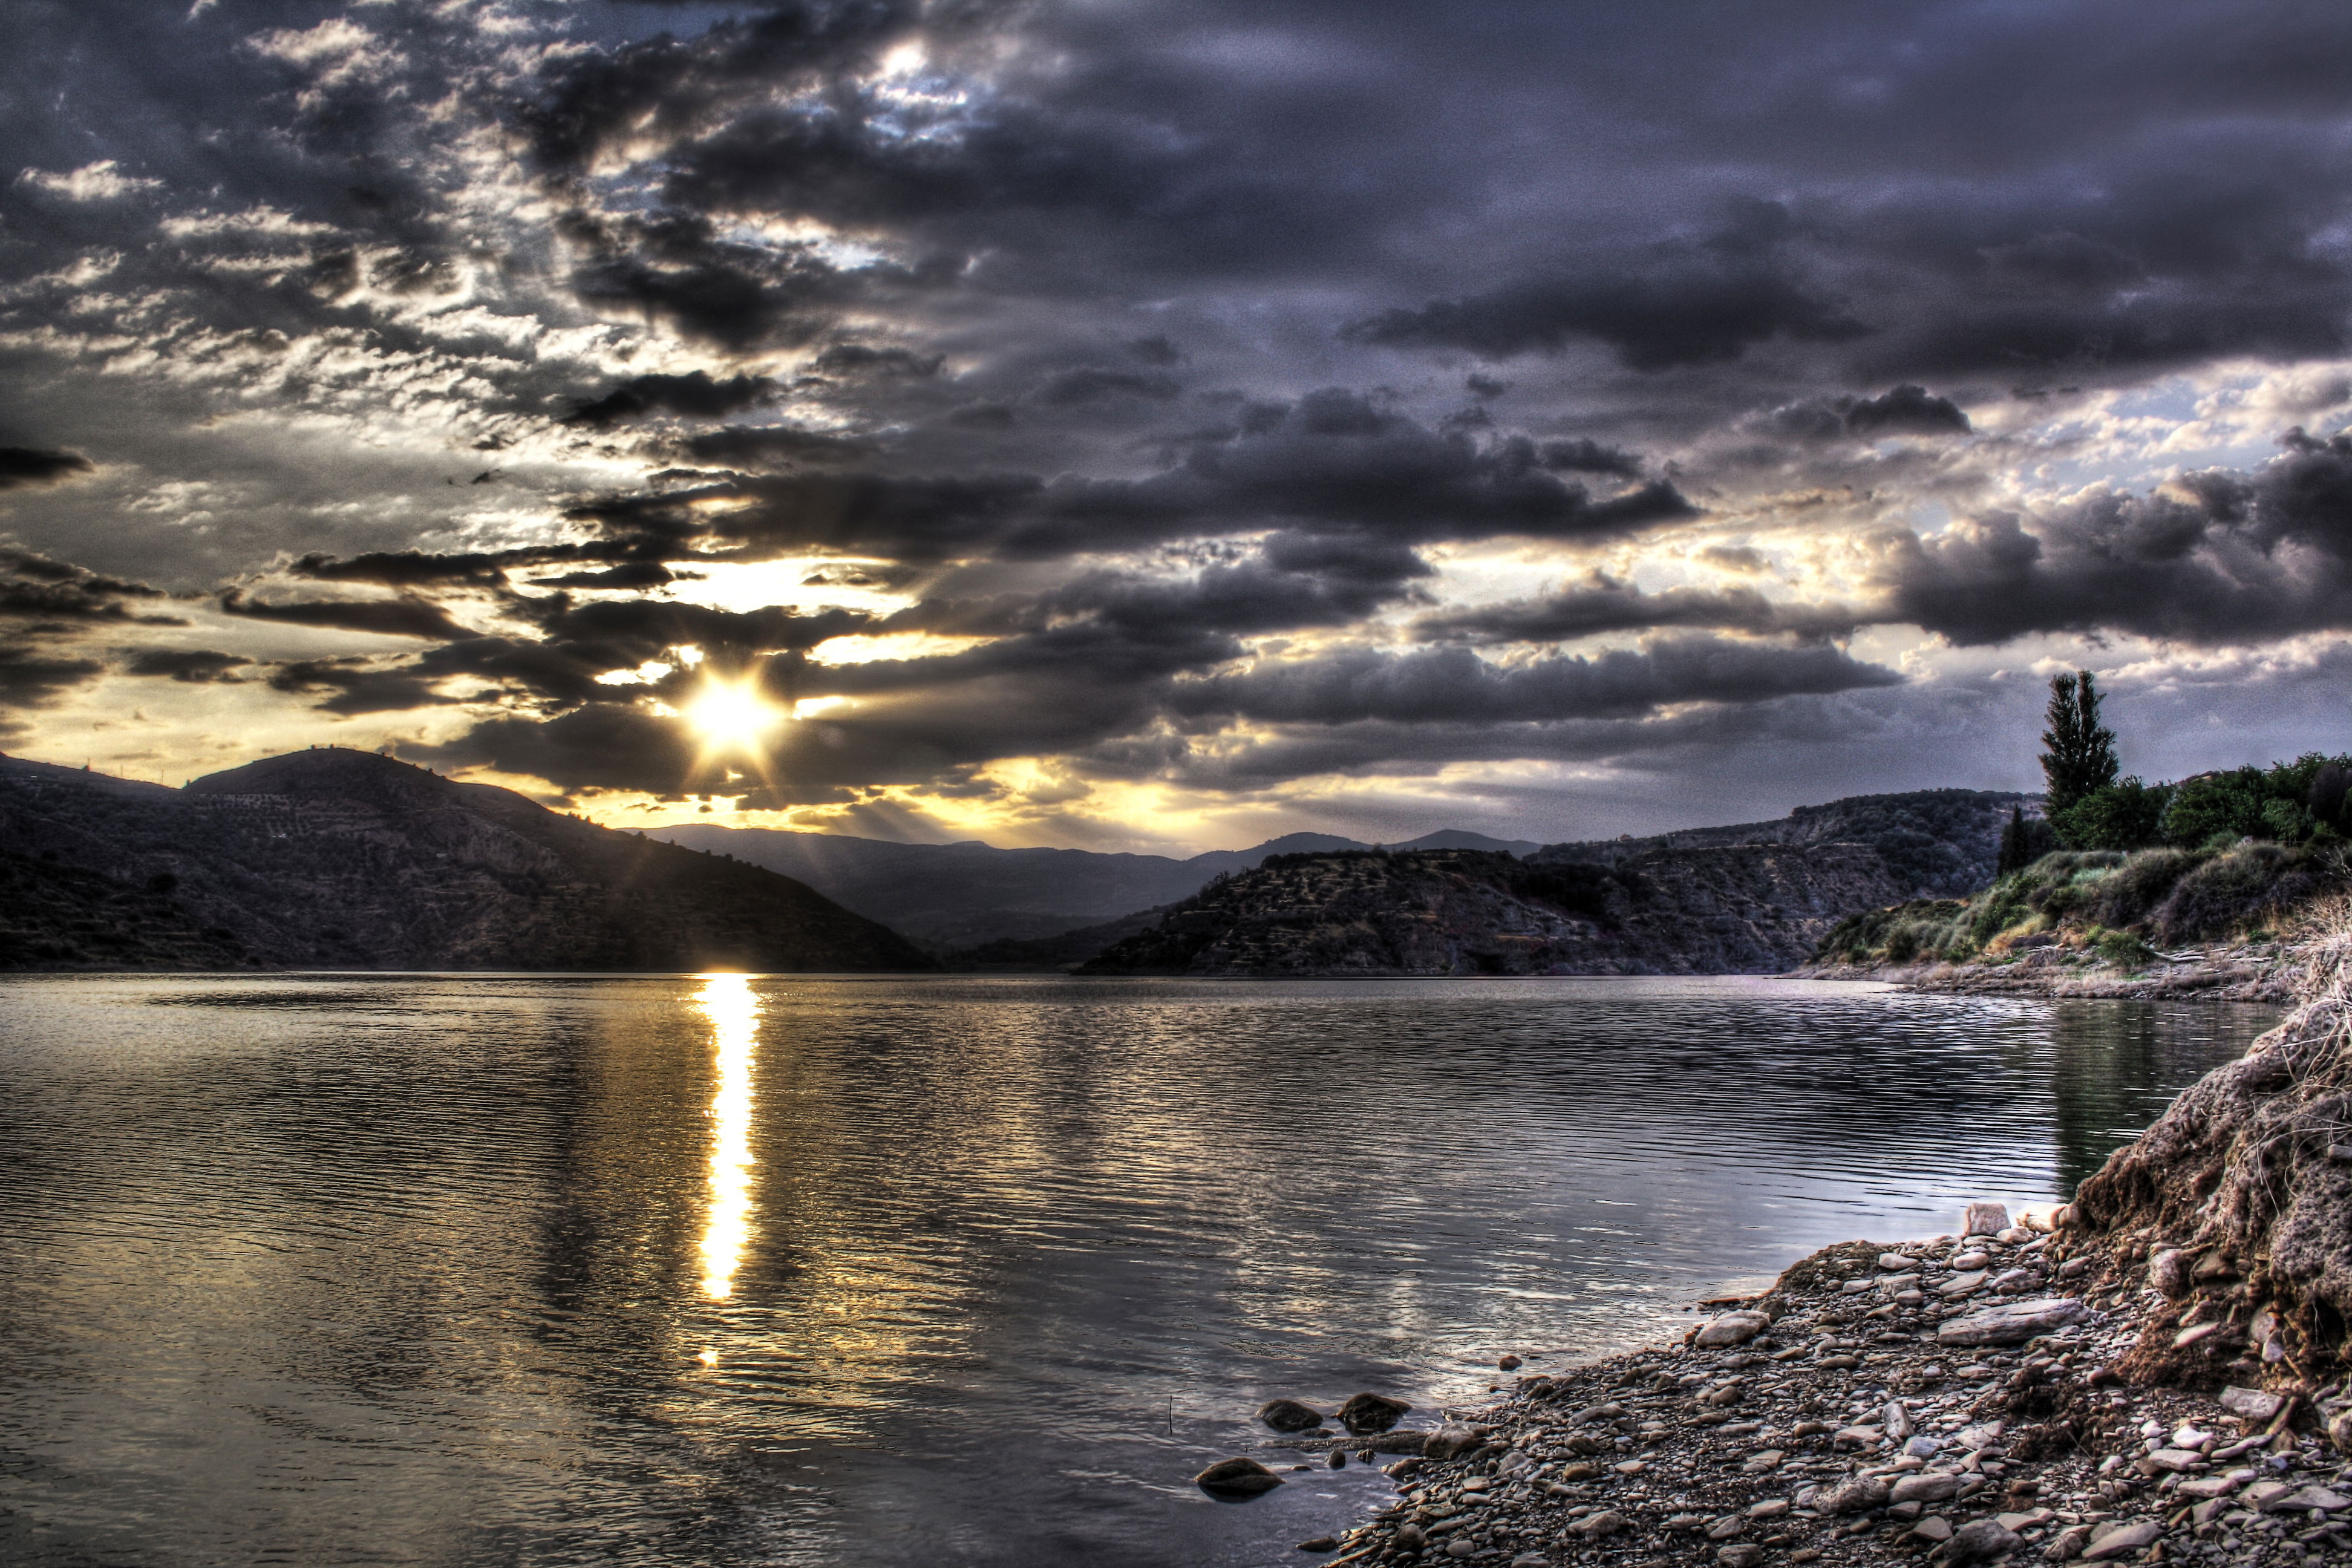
(731, 715)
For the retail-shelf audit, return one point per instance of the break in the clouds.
(1172, 423)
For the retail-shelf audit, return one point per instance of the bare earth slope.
(348, 859)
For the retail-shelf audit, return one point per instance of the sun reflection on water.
(734, 1014)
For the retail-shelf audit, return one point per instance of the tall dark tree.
(2082, 754)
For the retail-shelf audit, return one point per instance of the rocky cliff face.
(1747, 899)
(347, 859)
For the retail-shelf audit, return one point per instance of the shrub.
(2124, 949)
(2131, 892)
(2240, 887)
(2126, 814)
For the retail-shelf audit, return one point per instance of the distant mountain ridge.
(969, 894)
(346, 859)
(1750, 898)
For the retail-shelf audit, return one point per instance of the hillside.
(1754, 898)
(2108, 922)
(971, 894)
(1742, 909)
(1944, 842)
(346, 859)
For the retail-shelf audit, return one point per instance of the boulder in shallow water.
(1372, 1413)
(1289, 1415)
(2012, 1323)
(1236, 1478)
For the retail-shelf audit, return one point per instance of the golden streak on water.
(734, 1014)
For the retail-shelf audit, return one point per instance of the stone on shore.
(1236, 1478)
(1980, 1541)
(2122, 1540)
(1856, 1494)
(1372, 1413)
(1731, 1329)
(2011, 1322)
(1451, 1442)
(1289, 1415)
(1984, 1219)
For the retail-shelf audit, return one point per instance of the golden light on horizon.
(727, 1000)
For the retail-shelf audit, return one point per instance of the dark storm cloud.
(864, 360)
(1676, 316)
(1453, 686)
(353, 686)
(2218, 556)
(762, 447)
(407, 616)
(1907, 410)
(696, 394)
(1602, 604)
(31, 678)
(1586, 456)
(36, 587)
(32, 465)
(190, 666)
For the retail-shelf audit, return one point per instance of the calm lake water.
(458, 1270)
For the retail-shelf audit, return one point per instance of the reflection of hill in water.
(2109, 1058)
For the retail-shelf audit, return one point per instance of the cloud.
(101, 181)
(190, 665)
(695, 395)
(36, 587)
(1600, 604)
(1653, 320)
(31, 465)
(1907, 410)
(2212, 557)
(406, 615)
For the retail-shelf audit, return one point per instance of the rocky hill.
(1755, 899)
(349, 860)
(969, 894)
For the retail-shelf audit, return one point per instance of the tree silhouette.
(2082, 754)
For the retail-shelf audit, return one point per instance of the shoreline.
(1951, 1399)
(2239, 975)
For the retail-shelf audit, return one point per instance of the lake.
(542, 1270)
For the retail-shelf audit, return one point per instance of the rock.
(2068, 1543)
(1451, 1442)
(1961, 1284)
(1935, 1527)
(1320, 1543)
(1530, 1560)
(2197, 1489)
(2196, 1334)
(1236, 1478)
(1896, 1262)
(2310, 1498)
(2012, 1323)
(1461, 1548)
(2122, 1540)
(1724, 1529)
(1509, 1363)
(2169, 1272)
(1984, 1219)
(2180, 1461)
(2075, 1267)
(1855, 1494)
(1925, 1488)
(2033, 1520)
(1965, 1261)
(2252, 1404)
(1731, 1329)
(1923, 1447)
(2012, 1281)
(2261, 1494)
(1739, 1554)
(1372, 1413)
(1981, 1540)
(1412, 1537)
(1339, 1458)
(1770, 1508)
(2015, 1235)
(1593, 1526)
(1897, 1422)
(1289, 1415)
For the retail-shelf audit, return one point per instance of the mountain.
(1751, 899)
(1456, 838)
(349, 861)
(958, 895)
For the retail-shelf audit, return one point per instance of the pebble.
(1372, 1413)
(1236, 1478)
(1731, 1329)
(2122, 1539)
(1984, 1219)
(1289, 1415)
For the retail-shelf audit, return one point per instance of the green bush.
(2124, 949)
(2125, 814)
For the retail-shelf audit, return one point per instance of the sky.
(1162, 426)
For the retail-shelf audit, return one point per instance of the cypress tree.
(2082, 754)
